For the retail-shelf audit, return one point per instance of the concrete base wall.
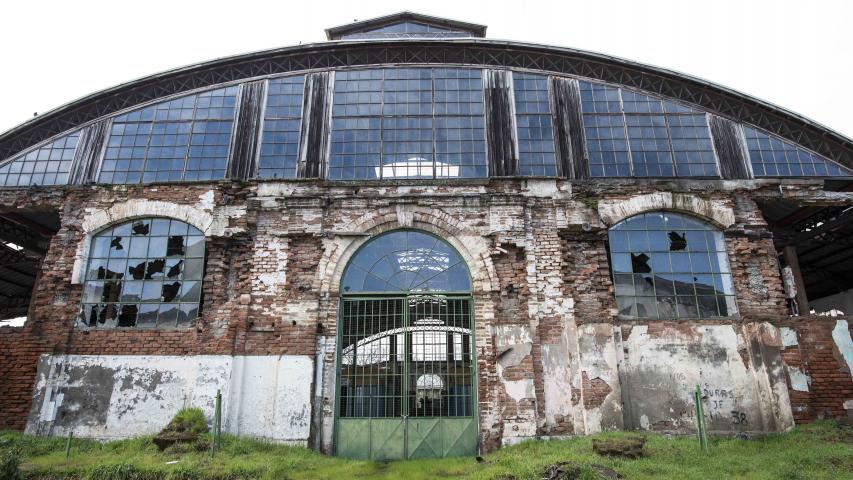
(109, 397)
(738, 369)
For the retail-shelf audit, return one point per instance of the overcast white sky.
(796, 54)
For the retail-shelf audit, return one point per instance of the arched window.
(668, 265)
(406, 261)
(144, 273)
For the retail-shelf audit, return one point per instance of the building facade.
(413, 241)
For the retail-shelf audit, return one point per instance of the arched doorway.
(406, 382)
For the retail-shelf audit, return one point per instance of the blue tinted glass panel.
(407, 123)
(46, 165)
(406, 261)
(460, 129)
(666, 265)
(692, 145)
(650, 149)
(634, 102)
(773, 157)
(597, 98)
(282, 119)
(536, 152)
(664, 138)
(187, 138)
(406, 30)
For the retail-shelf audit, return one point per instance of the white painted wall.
(662, 371)
(122, 396)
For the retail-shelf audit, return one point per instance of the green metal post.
(701, 425)
(68, 444)
(217, 423)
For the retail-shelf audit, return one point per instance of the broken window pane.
(173, 268)
(679, 268)
(127, 317)
(175, 246)
(141, 227)
(170, 291)
(118, 247)
(124, 284)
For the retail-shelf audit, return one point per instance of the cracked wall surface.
(553, 356)
(119, 396)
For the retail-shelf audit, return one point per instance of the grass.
(817, 451)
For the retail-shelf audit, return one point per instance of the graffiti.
(722, 406)
(739, 418)
(709, 392)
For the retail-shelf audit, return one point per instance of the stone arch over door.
(345, 241)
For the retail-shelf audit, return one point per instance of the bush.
(188, 426)
(189, 419)
(9, 466)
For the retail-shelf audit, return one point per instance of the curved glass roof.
(187, 138)
(49, 164)
(423, 122)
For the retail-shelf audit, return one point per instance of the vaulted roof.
(427, 51)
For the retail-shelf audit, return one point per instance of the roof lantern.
(406, 25)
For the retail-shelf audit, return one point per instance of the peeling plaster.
(108, 397)
(789, 337)
(800, 380)
(841, 335)
(663, 371)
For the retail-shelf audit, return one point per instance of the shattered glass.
(667, 265)
(144, 273)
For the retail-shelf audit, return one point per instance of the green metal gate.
(406, 383)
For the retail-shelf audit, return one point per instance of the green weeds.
(818, 451)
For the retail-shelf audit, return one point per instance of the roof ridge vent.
(406, 25)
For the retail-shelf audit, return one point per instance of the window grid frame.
(147, 277)
(299, 132)
(381, 116)
(190, 123)
(48, 144)
(798, 148)
(721, 277)
(516, 116)
(682, 111)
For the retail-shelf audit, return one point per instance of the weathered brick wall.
(586, 271)
(19, 352)
(820, 382)
(545, 310)
(50, 327)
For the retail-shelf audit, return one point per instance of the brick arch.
(120, 212)
(473, 248)
(716, 212)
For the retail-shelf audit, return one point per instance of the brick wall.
(813, 351)
(19, 352)
(540, 266)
